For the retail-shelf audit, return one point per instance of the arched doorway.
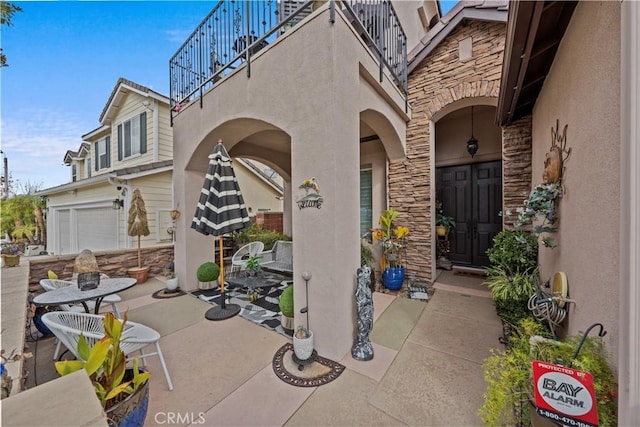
(469, 188)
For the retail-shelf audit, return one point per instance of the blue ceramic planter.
(393, 278)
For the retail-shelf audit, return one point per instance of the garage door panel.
(97, 228)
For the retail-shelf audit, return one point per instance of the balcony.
(234, 31)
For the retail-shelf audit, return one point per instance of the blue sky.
(65, 58)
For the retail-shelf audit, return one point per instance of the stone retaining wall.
(113, 263)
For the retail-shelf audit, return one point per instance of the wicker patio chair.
(241, 255)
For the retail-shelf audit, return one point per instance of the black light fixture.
(117, 203)
(472, 143)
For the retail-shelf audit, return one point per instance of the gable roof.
(81, 153)
(487, 10)
(122, 87)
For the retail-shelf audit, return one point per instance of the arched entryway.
(468, 188)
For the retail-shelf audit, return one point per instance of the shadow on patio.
(427, 361)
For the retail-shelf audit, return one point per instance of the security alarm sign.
(565, 395)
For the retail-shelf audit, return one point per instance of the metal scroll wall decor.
(555, 159)
(312, 197)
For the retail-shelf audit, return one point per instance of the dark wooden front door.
(472, 194)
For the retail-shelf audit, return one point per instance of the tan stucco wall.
(310, 105)
(582, 91)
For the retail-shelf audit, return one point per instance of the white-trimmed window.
(102, 149)
(87, 163)
(132, 136)
(74, 172)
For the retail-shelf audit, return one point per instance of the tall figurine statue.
(362, 348)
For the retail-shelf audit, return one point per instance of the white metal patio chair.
(67, 327)
(51, 284)
(242, 254)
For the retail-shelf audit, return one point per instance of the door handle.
(475, 227)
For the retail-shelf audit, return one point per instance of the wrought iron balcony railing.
(235, 30)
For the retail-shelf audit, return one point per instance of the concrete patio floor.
(427, 368)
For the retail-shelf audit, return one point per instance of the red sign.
(564, 395)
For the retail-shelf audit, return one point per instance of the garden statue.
(362, 348)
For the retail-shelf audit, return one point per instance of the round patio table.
(72, 294)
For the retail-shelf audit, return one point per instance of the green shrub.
(510, 382)
(514, 252)
(255, 233)
(512, 311)
(286, 302)
(505, 286)
(208, 272)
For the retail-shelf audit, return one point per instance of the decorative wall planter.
(393, 278)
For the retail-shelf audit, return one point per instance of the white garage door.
(97, 228)
(93, 228)
(64, 232)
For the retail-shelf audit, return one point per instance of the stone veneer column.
(516, 167)
(440, 80)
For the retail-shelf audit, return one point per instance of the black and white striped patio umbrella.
(220, 210)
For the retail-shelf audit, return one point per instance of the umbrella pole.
(224, 310)
(224, 304)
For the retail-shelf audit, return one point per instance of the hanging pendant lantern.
(472, 143)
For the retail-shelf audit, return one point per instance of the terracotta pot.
(139, 273)
(441, 230)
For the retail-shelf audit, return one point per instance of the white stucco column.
(629, 353)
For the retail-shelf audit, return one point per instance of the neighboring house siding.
(438, 81)
(156, 191)
(165, 134)
(131, 108)
(256, 193)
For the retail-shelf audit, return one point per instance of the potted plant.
(286, 308)
(303, 343)
(540, 211)
(138, 226)
(207, 273)
(444, 223)
(392, 239)
(11, 254)
(252, 264)
(123, 392)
